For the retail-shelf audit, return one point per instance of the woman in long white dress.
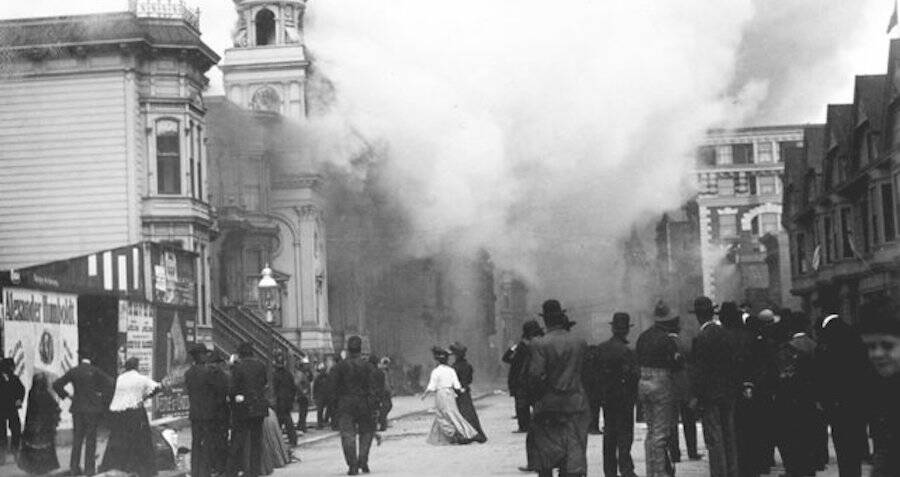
(449, 427)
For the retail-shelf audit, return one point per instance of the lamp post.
(267, 288)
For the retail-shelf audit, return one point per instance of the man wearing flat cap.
(618, 380)
(561, 413)
(207, 392)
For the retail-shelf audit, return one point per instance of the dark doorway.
(98, 330)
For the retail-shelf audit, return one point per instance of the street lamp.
(267, 289)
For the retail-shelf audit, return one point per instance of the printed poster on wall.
(41, 335)
(136, 324)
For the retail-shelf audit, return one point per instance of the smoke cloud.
(541, 133)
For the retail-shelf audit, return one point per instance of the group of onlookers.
(757, 383)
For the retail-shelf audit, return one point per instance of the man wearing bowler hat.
(561, 412)
(207, 389)
(618, 380)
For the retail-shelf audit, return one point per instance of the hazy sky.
(830, 41)
(543, 131)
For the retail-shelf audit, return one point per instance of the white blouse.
(443, 376)
(131, 389)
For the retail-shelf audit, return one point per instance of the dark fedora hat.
(458, 348)
(621, 321)
(703, 303)
(661, 311)
(553, 312)
(551, 308)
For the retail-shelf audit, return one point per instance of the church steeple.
(267, 67)
(274, 23)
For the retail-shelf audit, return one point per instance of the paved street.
(405, 453)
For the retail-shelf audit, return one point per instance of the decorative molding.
(297, 181)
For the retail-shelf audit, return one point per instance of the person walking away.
(517, 359)
(321, 395)
(591, 381)
(714, 386)
(38, 453)
(844, 382)
(618, 375)
(91, 390)
(561, 411)
(248, 383)
(355, 392)
(449, 426)
(880, 329)
(466, 374)
(682, 409)
(207, 390)
(285, 395)
(385, 401)
(12, 392)
(302, 382)
(659, 359)
(130, 446)
(795, 406)
(221, 416)
(742, 342)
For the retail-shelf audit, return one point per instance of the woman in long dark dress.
(465, 373)
(130, 446)
(38, 454)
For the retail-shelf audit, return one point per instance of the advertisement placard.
(41, 335)
(136, 322)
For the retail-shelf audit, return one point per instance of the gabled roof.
(814, 142)
(838, 126)
(868, 96)
(101, 28)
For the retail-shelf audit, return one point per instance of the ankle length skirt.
(449, 427)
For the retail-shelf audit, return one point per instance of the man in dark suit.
(207, 390)
(618, 374)
(93, 390)
(845, 382)
(285, 395)
(355, 388)
(561, 412)
(248, 383)
(715, 387)
(12, 393)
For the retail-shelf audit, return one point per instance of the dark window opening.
(864, 215)
(828, 243)
(887, 211)
(846, 233)
(265, 27)
(742, 154)
(168, 157)
(801, 253)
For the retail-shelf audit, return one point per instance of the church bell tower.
(267, 68)
(265, 73)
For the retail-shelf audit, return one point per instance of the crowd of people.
(757, 383)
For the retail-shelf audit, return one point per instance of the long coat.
(249, 379)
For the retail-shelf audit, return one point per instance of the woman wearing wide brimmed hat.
(465, 373)
(449, 427)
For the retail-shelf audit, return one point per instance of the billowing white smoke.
(539, 130)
